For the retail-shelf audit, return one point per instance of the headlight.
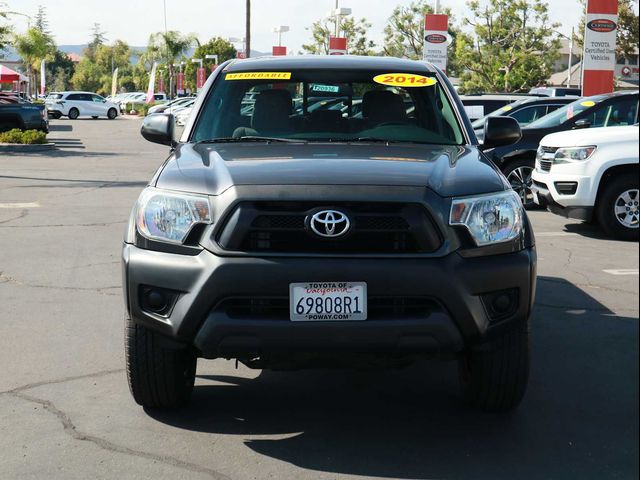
(490, 219)
(573, 154)
(169, 217)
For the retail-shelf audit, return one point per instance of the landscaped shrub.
(29, 137)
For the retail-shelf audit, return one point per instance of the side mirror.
(159, 128)
(584, 123)
(500, 131)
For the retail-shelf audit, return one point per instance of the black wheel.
(57, 115)
(6, 126)
(494, 376)
(617, 209)
(94, 116)
(112, 113)
(74, 113)
(159, 377)
(519, 173)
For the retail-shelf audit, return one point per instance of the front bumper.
(545, 197)
(455, 316)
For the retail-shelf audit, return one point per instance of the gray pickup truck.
(23, 115)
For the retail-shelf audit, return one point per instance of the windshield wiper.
(386, 140)
(252, 139)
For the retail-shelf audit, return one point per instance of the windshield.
(567, 112)
(496, 113)
(329, 105)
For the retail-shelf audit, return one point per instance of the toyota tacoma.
(284, 233)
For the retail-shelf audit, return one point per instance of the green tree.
(513, 46)
(95, 73)
(97, 39)
(5, 31)
(41, 22)
(215, 46)
(354, 30)
(168, 48)
(404, 33)
(33, 47)
(59, 69)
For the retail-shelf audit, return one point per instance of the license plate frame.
(355, 309)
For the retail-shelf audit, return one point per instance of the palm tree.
(170, 46)
(33, 47)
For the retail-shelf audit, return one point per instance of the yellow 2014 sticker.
(507, 108)
(588, 103)
(259, 76)
(404, 80)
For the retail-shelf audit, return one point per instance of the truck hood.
(213, 168)
(591, 136)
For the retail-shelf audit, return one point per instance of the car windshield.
(329, 105)
(496, 113)
(567, 112)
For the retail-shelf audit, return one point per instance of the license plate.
(328, 301)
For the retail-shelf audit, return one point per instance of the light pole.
(338, 13)
(248, 31)
(242, 41)
(280, 30)
(571, 40)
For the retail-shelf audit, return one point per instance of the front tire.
(494, 376)
(74, 113)
(159, 377)
(519, 174)
(618, 210)
(112, 113)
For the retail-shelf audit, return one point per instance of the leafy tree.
(404, 33)
(41, 22)
(354, 30)
(513, 47)
(33, 47)
(60, 69)
(168, 48)
(215, 46)
(97, 38)
(95, 73)
(5, 31)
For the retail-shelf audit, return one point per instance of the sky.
(71, 21)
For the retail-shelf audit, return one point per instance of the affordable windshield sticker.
(588, 103)
(259, 76)
(404, 80)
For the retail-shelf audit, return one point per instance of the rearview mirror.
(584, 123)
(500, 131)
(159, 128)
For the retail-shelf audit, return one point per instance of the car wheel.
(112, 113)
(519, 174)
(74, 113)
(159, 377)
(618, 211)
(6, 126)
(494, 376)
(57, 115)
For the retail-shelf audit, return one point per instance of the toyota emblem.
(329, 223)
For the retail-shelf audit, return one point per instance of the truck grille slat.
(377, 228)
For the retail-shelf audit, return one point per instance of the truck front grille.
(376, 228)
(546, 161)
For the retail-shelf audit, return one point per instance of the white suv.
(591, 174)
(80, 104)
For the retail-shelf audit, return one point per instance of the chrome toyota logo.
(329, 223)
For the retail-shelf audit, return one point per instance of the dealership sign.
(600, 46)
(436, 40)
(337, 46)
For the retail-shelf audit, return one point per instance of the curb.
(19, 148)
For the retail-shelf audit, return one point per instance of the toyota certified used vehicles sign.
(436, 38)
(602, 25)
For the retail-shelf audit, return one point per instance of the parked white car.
(182, 116)
(172, 106)
(80, 104)
(591, 174)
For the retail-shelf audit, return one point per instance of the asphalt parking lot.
(66, 413)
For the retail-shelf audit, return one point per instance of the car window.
(568, 112)
(529, 114)
(321, 105)
(74, 96)
(96, 98)
(620, 112)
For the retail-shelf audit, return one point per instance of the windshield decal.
(507, 108)
(404, 80)
(588, 103)
(259, 76)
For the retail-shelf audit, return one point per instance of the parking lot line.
(19, 205)
(622, 271)
(555, 234)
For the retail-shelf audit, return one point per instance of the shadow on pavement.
(60, 128)
(578, 420)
